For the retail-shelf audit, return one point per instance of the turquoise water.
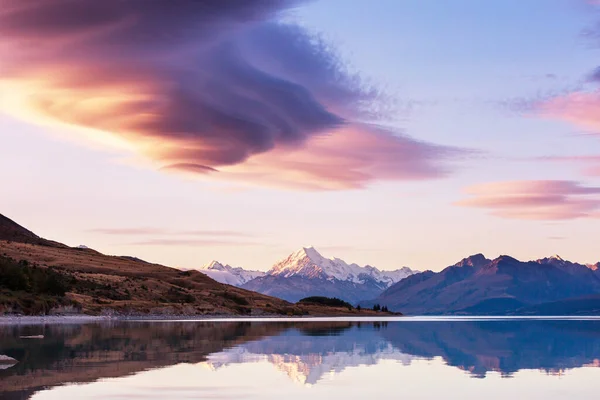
(346, 358)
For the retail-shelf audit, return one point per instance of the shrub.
(326, 301)
(22, 276)
(236, 298)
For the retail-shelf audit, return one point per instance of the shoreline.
(84, 319)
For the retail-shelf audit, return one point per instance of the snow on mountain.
(566, 265)
(307, 273)
(229, 275)
(309, 263)
(553, 260)
(476, 260)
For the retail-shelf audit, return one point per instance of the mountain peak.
(553, 260)
(309, 263)
(227, 274)
(215, 266)
(505, 258)
(309, 252)
(476, 260)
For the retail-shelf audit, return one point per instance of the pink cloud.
(149, 231)
(535, 200)
(590, 164)
(350, 159)
(219, 90)
(582, 109)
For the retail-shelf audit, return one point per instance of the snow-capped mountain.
(308, 263)
(558, 261)
(229, 275)
(307, 273)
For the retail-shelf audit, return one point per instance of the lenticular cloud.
(208, 87)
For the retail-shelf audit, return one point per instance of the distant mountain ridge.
(235, 276)
(307, 273)
(505, 285)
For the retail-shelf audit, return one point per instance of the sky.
(390, 133)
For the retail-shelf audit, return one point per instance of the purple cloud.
(205, 87)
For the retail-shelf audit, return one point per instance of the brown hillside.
(58, 277)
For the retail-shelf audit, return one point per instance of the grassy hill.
(39, 276)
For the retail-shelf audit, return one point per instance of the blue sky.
(471, 75)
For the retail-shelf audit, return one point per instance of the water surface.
(418, 358)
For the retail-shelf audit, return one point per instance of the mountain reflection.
(306, 351)
(305, 354)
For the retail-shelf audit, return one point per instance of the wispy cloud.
(580, 106)
(214, 88)
(194, 242)
(146, 231)
(535, 200)
(129, 231)
(590, 164)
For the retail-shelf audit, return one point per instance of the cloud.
(595, 76)
(195, 237)
(129, 231)
(194, 242)
(147, 231)
(579, 108)
(590, 164)
(535, 200)
(351, 159)
(218, 90)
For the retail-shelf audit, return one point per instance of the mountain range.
(229, 275)
(505, 285)
(307, 273)
(38, 275)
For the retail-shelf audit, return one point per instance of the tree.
(358, 307)
(376, 307)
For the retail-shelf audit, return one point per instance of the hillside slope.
(37, 278)
(13, 232)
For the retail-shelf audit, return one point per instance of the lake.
(414, 358)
